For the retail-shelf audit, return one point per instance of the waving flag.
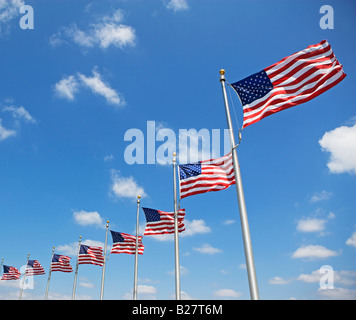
(160, 222)
(205, 176)
(91, 255)
(10, 273)
(126, 243)
(61, 263)
(293, 80)
(34, 268)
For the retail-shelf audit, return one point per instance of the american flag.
(293, 80)
(160, 222)
(61, 263)
(91, 255)
(10, 273)
(126, 243)
(34, 268)
(205, 176)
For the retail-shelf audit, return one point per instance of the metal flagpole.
(49, 275)
(103, 273)
(76, 270)
(176, 238)
(136, 250)
(250, 264)
(2, 262)
(24, 278)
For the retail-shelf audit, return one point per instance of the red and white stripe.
(94, 256)
(166, 224)
(216, 174)
(129, 245)
(63, 265)
(36, 270)
(296, 79)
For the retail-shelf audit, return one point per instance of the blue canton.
(151, 215)
(117, 237)
(253, 87)
(83, 249)
(189, 170)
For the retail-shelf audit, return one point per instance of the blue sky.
(90, 71)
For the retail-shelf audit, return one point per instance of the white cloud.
(191, 228)
(144, 292)
(228, 222)
(9, 9)
(98, 86)
(125, 187)
(340, 142)
(279, 281)
(338, 294)
(314, 252)
(108, 31)
(225, 293)
(20, 113)
(183, 271)
(195, 227)
(207, 249)
(352, 240)
(311, 225)
(67, 87)
(320, 196)
(177, 5)
(71, 249)
(5, 133)
(86, 218)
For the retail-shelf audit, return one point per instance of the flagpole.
(250, 264)
(76, 270)
(2, 262)
(103, 273)
(49, 275)
(24, 278)
(136, 249)
(176, 238)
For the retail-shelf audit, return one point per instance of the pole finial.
(138, 197)
(222, 72)
(107, 221)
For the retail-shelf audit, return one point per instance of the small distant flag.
(10, 273)
(34, 268)
(205, 176)
(160, 222)
(126, 243)
(61, 263)
(294, 80)
(91, 255)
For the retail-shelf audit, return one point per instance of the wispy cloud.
(320, 196)
(177, 5)
(69, 86)
(207, 249)
(20, 113)
(9, 9)
(227, 293)
(107, 31)
(101, 88)
(6, 133)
